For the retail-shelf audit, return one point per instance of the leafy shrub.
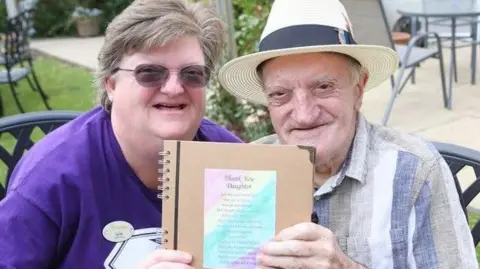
(247, 120)
(52, 18)
(111, 8)
(3, 17)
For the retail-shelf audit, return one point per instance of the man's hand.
(305, 245)
(167, 259)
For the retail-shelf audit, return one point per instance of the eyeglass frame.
(208, 73)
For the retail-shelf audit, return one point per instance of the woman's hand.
(167, 259)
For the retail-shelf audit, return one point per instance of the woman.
(86, 195)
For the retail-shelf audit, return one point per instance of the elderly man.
(384, 199)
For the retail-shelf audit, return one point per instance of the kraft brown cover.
(182, 211)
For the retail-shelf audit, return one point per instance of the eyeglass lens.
(193, 76)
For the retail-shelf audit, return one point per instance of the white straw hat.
(302, 26)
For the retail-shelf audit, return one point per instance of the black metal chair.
(458, 158)
(17, 57)
(21, 127)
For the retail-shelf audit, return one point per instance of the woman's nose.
(173, 85)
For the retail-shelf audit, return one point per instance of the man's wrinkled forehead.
(325, 55)
(347, 58)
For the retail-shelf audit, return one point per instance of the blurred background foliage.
(248, 121)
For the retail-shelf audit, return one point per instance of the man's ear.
(109, 85)
(360, 89)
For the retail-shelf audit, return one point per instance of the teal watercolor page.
(239, 216)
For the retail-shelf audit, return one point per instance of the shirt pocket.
(377, 251)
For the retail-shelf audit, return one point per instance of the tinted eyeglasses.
(152, 76)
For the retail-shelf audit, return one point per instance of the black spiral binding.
(163, 191)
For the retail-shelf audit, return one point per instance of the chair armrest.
(416, 38)
(457, 151)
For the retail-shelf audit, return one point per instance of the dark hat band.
(305, 35)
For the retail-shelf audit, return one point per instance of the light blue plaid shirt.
(394, 204)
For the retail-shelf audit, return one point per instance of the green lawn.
(69, 88)
(473, 218)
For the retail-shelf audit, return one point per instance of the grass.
(473, 218)
(68, 88)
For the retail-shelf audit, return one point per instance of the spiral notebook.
(222, 201)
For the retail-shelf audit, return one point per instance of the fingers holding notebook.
(305, 245)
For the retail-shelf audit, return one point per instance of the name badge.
(118, 231)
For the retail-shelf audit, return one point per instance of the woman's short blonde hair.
(146, 24)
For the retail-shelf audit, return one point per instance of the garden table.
(453, 11)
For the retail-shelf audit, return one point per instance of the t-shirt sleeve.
(28, 237)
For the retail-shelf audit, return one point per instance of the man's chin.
(304, 138)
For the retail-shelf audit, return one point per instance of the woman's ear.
(109, 85)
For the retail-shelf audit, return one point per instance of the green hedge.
(248, 121)
(53, 17)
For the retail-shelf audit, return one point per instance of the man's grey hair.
(147, 24)
(356, 69)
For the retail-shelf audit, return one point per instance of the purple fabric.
(68, 187)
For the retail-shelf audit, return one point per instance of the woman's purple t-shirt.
(68, 187)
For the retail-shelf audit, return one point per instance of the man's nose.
(305, 111)
(173, 85)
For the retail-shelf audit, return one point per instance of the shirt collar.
(355, 164)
